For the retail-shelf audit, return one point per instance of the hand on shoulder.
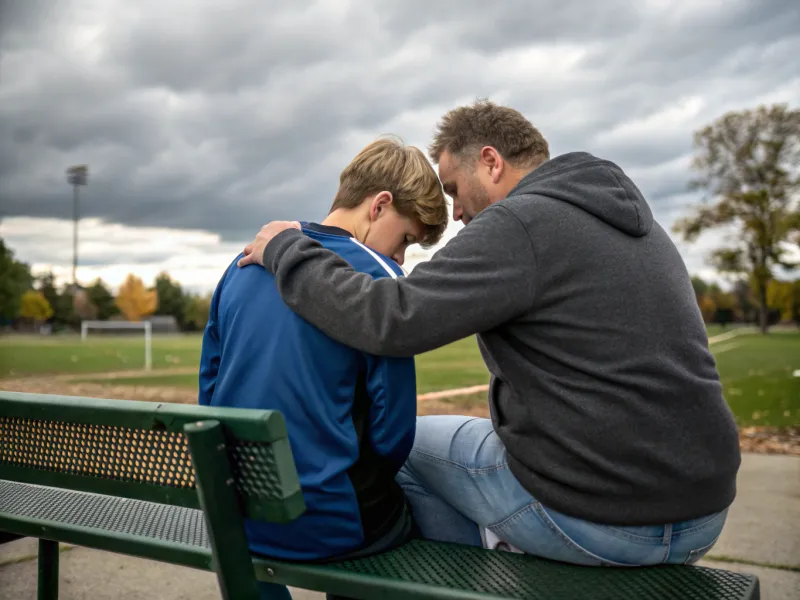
(254, 251)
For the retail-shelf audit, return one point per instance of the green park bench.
(173, 483)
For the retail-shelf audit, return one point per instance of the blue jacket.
(351, 416)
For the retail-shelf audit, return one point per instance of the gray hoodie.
(603, 388)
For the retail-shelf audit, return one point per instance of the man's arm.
(210, 353)
(483, 277)
(392, 387)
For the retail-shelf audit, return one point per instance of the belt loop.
(667, 533)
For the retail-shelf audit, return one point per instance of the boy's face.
(391, 233)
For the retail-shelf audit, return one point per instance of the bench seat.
(419, 569)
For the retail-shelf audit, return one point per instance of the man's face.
(461, 183)
(392, 233)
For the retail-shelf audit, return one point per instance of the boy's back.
(350, 416)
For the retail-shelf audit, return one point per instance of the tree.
(197, 309)
(34, 306)
(15, 279)
(62, 302)
(171, 299)
(700, 287)
(707, 307)
(744, 300)
(780, 297)
(103, 299)
(83, 306)
(748, 162)
(134, 300)
(47, 285)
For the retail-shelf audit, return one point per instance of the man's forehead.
(447, 164)
(447, 171)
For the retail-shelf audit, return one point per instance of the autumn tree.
(34, 306)
(780, 297)
(748, 164)
(15, 279)
(134, 300)
(62, 303)
(708, 307)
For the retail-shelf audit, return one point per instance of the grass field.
(757, 372)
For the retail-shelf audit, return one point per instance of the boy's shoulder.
(361, 257)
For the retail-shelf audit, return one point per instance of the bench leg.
(215, 489)
(48, 570)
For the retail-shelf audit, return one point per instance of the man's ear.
(491, 160)
(379, 204)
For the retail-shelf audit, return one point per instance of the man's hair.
(463, 131)
(387, 164)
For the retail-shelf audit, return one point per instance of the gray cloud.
(221, 119)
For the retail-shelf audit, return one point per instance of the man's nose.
(458, 212)
(400, 257)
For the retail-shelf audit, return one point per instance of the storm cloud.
(211, 117)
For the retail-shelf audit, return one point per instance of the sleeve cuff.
(279, 244)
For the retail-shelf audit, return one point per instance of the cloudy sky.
(202, 120)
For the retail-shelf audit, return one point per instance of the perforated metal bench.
(173, 482)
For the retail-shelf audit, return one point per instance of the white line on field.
(465, 391)
(731, 334)
(725, 348)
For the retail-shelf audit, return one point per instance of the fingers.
(254, 251)
(245, 260)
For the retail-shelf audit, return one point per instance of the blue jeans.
(458, 482)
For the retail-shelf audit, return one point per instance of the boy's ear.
(379, 203)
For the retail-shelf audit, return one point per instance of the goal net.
(144, 325)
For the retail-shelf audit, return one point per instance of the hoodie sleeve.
(481, 278)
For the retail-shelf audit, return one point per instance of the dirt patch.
(761, 440)
(99, 390)
(770, 440)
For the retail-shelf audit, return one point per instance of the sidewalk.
(763, 527)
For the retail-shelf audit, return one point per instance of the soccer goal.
(146, 325)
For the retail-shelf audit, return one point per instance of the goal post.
(146, 325)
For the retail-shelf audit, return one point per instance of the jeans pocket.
(695, 555)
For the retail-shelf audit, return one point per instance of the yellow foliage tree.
(708, 307)
(780, 296)
(35, 306)
(134, 300)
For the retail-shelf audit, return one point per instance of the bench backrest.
(138, 449)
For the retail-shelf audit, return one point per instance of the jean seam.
(697, 528)
(624, 535)
(699, 551)
(537, 506)
(439, 459)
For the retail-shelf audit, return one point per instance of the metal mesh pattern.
(507, 575)
(255, 470)
(121, 453)
(128, 454)
(108, 513)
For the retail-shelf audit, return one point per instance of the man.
(350, 415)
(611, 441)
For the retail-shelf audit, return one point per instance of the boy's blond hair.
(387, 164)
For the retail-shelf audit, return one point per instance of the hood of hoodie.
(594, 185)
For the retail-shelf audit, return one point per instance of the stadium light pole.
(77, 176)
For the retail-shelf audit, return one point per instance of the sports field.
(758, 373)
